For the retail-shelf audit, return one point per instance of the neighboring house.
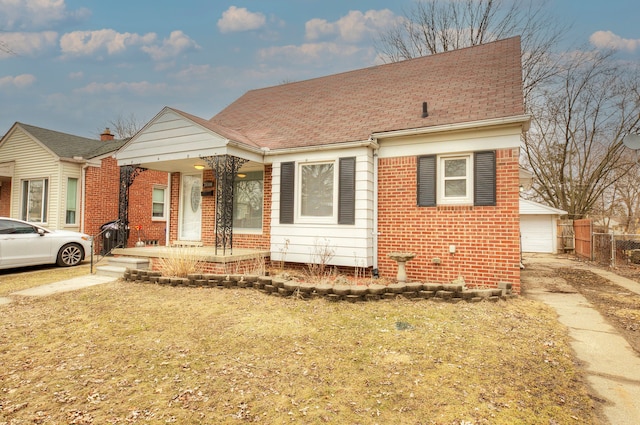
(63, 181)
(418, 156)
(539, 227)
(608, 224)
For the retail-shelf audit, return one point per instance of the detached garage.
(538, 227)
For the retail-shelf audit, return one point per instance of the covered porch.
(215, 195)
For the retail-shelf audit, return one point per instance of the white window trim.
(458, 200)
(45, 207)
(165, 205)
(333, 218)
(77, 215)
(251, 230)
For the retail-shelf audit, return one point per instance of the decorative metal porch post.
(225, 168)
(128, 174)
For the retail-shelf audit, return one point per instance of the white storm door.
(190, 207)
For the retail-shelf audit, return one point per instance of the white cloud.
(237, 19)
(194, 72)
(308, 52)
(80, 43)
(139, 88)
(76, 75)
(36, 14)
(353, 27)
(177, 43)
(28, 43)
(609, 40)
(19, 81)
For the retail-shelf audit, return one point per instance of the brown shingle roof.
(475, 83)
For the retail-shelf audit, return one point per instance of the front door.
(190, 207)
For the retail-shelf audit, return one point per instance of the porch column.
(225, 168)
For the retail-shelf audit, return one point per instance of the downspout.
(83, 194)
(167, 229)
(375, 214)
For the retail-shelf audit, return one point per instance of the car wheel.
(70, 255)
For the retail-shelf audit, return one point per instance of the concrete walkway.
(611, 366)
(61, 286)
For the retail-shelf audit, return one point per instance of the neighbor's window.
(247, 200)
(159, 208)
(34, 200)
(72, 200)
(317, 193)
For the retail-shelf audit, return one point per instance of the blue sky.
(80, 64)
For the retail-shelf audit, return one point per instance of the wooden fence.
(583, 230)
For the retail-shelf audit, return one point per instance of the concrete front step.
(118, 265)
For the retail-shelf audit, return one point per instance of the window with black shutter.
(484, 179)
(347, 191)
(427, 181)
(287, 187)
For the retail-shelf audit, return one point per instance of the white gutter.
(359, 144)
(374, 230)
(168, 222)
(83, 195)
(518, 119)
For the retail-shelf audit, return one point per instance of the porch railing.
(106, 241)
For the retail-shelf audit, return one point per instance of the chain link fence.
(616, 249)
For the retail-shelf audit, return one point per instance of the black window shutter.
(427, 181)
(484, 181)
(347, 191)
(287, 178)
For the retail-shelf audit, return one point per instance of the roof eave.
(523, 120)
(316, 148)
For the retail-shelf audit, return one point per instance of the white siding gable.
(31, 161)
(170, 140)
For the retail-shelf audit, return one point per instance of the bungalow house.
(62, 181)
(419, 156)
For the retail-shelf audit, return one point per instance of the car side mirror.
(41, 232)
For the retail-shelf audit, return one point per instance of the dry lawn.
(141, 353)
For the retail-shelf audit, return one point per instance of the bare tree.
(574, 146)
(434, 26)
(125, 126)
(4, 47)
(622, 200)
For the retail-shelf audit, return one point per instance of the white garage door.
(537, 233)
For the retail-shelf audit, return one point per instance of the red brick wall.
(487, 239)
(102, 199)
(141, 206)
(251, 241)
(101, 195)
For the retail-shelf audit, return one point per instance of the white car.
(26, 244)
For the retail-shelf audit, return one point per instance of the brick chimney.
(106, 135)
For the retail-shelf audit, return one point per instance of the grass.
(141, 353)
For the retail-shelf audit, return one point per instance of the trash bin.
(109, 232)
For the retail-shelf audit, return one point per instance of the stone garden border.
(352, 293)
